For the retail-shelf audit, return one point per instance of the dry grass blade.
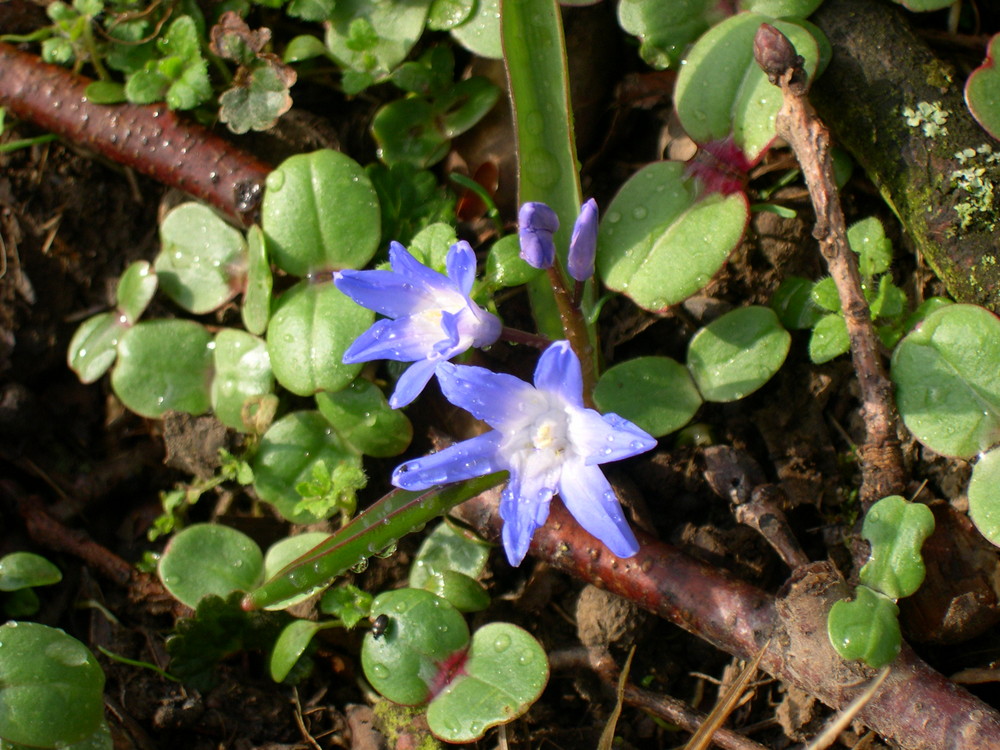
(608, 734)
(703, 737)
(830, 734)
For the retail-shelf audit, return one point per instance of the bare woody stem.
(881, 458)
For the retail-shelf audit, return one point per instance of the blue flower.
(430, 317)
(548, 441)
(536, 224)
(583, 244)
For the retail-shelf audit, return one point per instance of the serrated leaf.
(655, 393)
(396, 27)
(897, 530)
(867, 238)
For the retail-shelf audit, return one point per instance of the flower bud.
(536, 225)
(583, 245)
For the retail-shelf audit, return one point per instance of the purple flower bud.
(583, 245)
(536, 225)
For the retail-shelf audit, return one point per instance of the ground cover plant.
(412, 373)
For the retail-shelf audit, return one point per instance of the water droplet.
(380, 671)
(614, 217)
(639, 213)
(275, 181)
(525, 657)
(502, 643)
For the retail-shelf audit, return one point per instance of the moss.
(938, 75)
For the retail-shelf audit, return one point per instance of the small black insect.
(379, 626)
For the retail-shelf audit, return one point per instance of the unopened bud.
(536, 225)
(583, 245)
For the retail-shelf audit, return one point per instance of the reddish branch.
(797, 123)
(916, 706)
(151, 139)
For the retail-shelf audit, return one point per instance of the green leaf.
(721, 92)
(21, 603)
(446, 548)
(311, 10)
(982, 90)
(50, 687)
(447, 14)
(256, 309)
(411, 200)
(146, 86)
(922, 6)
(867, 238)
(258, 99)
(984, 495)
(659, 243)
(191, 88)
(897, 530)
(505, 267)
(480, 32)
(736, 354)
(829, 339)
(162, 365)
(866, 628)
(242, 372)
(311, 327)
(794, 304)
(825, 294)
(284, 552)
(105, 92)
(303, 47)
(362, 417)
(947, 388)
(463, 593)
(304, 234)
(287, 455)
(394, 29)
(424, 631)
(291, 644)
(665, 29)
(20, 570)
(202, 260)
(347, 603)
(94, 346)
(656, 393)
(505, 673)
(136, 288)
(406, 130)
(209, 559)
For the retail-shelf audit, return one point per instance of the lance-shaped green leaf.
(292, 643)
(656, 393)
(897, 530)
(94, 346)
(242, 372)
(256, 308)
(660, 242)
(866, 628)
(320, 213)
(381, 525)
(721, 92)
(209, 559)
(984, 495)
(947, 388)
(136, 288)
(362, 417)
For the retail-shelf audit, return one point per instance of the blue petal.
(405, 264)
(492, 397)
(603, 438)
(558, 371)
(448, 346)
(535, 216)
(385, 292)
(400, 340)
(589, 498)
(412, 382)
(461, 266)
(470, 458)
(524, 506)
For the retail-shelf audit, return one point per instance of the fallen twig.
(151, 139)
(797, 122)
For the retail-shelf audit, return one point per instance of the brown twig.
(739, 619)
(797, 122)
(151, 139)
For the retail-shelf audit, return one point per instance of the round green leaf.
(285, 458)
(984, 496)
(285, 551)
(463, 593)
(736, 354)
(466, 104)
(320, 212)
(202, 259)
(94, 346)
(413, 653)
(303, 47)
(136, 288)
(721, 92)
(408, 130)
(481, 33)
(19, 570)
(982, 90)
(505, 673)
(164, 364)
(659, 243)
(947, 388)
(829, 339)
(897, 530)
(449, 547)
(364, 420)
(291, 644)
(50, 687)
(242, 371)
(656, 393)
(447, 14)
(866, 628)
(256, 309)
(312, 326)
(794, 305)
(207, 559)
(504, 265)
(390, 31)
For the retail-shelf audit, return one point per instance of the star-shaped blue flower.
(548, 441)
(430, 316)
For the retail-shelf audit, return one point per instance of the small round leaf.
(164, 364)
(736, 354)
(463, 593)
(209, 559)
(448, 547)
(242, 371)
(50, 687)
(866, 628)
(480, 34)
(947, 388)
(320, 212)
(19, 570)
(984, 496)
(897, 530)
(505, 673)
(94, 346)
(656, 393)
